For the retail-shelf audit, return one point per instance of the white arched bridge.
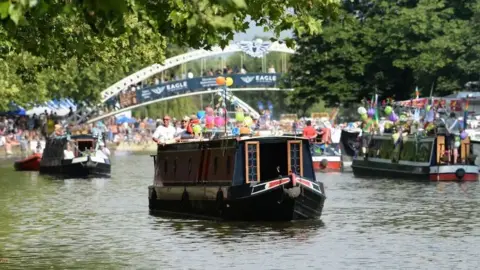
(119, 98)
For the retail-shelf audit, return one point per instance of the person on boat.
(368, 127)
(58, 129)
(68, 153)
(453, 133)
(182, 126)
(164, 133)
(309, 132)
(102, 151)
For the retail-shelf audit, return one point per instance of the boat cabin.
(54, 147)
(83, 143)
(232, 162)
(413, 150)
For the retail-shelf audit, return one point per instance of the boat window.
(408, 151)
(228, 165)
(252, 161)
(385, 149)
(424, 151)
(295, 157)
(215, 165)
(274, 161)
(84, 145)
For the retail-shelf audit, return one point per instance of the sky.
(254, 31)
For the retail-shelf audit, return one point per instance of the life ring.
(460, 173)
(323, 164)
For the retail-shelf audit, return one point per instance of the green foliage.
(389, 47)
(56, 48)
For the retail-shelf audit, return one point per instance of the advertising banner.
(201, 84)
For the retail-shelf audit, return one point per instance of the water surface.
(105, 224)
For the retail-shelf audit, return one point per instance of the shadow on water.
(234, 230)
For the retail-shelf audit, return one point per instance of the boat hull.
(31, 163)
(79, 168)
(244, 203)
(374, 168)
(327, 163)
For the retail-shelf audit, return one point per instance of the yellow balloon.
(247, 121)
(229, 81)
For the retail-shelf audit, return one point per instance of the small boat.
(415, 157)
(74, 156)
(326, 158)
(268, 178)
(31, 163)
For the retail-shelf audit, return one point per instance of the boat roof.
(273, 137)
(83, 136)
(243, 138)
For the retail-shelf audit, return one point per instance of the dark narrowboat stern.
(270, 179)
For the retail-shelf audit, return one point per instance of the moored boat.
(422, 158)
(31, 163)
(75, 156)
(326, 158)
(251, 179)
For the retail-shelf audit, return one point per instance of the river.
(105, 224)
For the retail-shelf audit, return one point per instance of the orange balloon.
(220, 80)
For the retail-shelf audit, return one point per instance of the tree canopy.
(55, 48)
(390, 47)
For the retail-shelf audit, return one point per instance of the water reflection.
(297, 230)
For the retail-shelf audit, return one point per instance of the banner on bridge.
(201, 84)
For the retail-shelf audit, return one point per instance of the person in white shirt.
(180, 129)
(68, 153)
(190, 74)
(164, 133)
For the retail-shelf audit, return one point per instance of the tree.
(77, 48)
(389, 48)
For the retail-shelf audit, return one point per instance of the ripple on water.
(105, 224)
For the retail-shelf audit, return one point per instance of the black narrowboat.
(421, 158)
(251, 179)
(84, 161)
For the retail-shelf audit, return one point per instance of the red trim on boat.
(453, 177)
(305, 182)
(275, 183)
(331, 165)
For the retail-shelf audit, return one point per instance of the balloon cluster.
(242, 118)
(224, 81)
(391, 114)
(363, 113)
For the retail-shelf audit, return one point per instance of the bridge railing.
(129, 98)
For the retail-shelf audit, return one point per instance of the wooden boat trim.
(257, 144)
(289, 143)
